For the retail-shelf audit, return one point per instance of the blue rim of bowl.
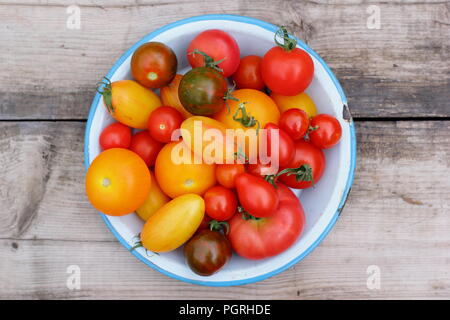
(267, 26)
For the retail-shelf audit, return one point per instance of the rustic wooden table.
(396, 76)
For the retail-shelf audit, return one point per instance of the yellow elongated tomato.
(207, 138)
(117, 182)
(129, 102)
(155, 200)
(179, 171)
(173, 224)
(169, 96)
(300, 101)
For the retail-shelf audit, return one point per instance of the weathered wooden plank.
(397, 217)
(48, 71)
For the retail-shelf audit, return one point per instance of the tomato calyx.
(289, 43)
(246, 119)
(104, 87)
(245, 215)
(209, 62)
(219, 226)
(302, 173)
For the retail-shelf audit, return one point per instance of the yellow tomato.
(301, 101)
(258, 105)
(173, 224)
(117, 182)
(169, 96)
(130, 103)
(155, 200)
(179, 171)
(207, 138)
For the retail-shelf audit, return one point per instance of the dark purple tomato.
(202, 91)
(207, 252)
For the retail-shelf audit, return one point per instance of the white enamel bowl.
(322, 204)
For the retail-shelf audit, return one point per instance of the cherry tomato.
(266, 237)
(248, 75)
(154, 65)
(218, 45)
(116, 135)
(117, 182)
(204, 224)
(202, 91)
(226, 173)
(295, 123)
(311, 163)
(326, 131)
(207, 252)
(220, 203)
(146, 147)
(163, 122)
(257, 196)
(286, 69)
(285, 147)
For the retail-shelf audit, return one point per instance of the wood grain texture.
(397, 217)
(400, 70)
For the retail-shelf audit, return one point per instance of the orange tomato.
(212, 145)
(258, 105)
(179, 171)
(169, 96)
(300, 101)
(117, 182)
(225, 174)
(130, 103)
(155, 200)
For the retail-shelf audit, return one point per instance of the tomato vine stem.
(289, 42)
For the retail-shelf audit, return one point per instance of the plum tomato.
(163, 122)
(286, 69)
(248, 75)
(154, 65)
(116, 135)
(146, 147)
(257, 196)
(295, 123)
(220, 203)
(217, 44)
(306, 167)
(326, 131)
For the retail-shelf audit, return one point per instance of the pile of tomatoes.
(213, 206)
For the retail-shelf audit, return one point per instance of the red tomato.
(116, 135)
(163, 122)
(285, 146)
(259, 169)
(146, 147)
(220, 203)
(295, 123)
(265, 237)
(257, 196)
(248, 74)
(226, 173)
(310, 162)
(286, 69)
(327, 131)
(218, 45)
